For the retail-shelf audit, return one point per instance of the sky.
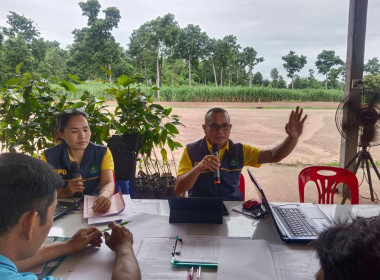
(271, 27)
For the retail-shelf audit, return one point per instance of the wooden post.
(354, 71)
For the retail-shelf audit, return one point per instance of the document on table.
(198, 250)
(154, 259)
(294, 264)
(147, 225)
(146, 207)
(245, 259)
(117, 205)
(128, 211)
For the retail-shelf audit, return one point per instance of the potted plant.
(138, 118)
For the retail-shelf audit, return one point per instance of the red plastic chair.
(242, 185)
(326, 184)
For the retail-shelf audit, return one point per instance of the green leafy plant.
(137, 113)
(30, 104)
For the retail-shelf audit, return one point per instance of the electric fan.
(362, 107)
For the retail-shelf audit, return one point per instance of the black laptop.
(208, 210)
(64, 208)
(295, 222)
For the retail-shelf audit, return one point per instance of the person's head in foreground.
(350, 251)
(28, 199)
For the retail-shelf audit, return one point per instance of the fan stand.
(363, 156)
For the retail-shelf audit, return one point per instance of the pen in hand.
(121, 224)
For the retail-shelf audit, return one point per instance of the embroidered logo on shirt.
(234, 162)
(61, 172)
(93, 169)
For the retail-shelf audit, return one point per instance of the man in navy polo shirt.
(198, 164)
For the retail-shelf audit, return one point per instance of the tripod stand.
(364, 158)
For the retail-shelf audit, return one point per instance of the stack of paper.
(121, 207)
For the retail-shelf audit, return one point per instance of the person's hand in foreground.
(121, 241)
(101, 204)
(75, 185)
(295, 125)
(82, 238)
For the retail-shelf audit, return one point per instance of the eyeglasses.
(215, 127)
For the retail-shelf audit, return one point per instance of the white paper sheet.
(146, 207)
(93, 263)
(294, 264)
(154, 260)
(198, 250)
(245, 259)
(128, 211)
(147, 225)
(117, 205)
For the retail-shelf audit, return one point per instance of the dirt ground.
(264, 128)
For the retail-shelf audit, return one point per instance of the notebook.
(295, 222)
(64, 208)
(196, 210)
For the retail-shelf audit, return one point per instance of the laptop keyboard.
(296, 221)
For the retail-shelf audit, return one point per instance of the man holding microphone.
(197, 171)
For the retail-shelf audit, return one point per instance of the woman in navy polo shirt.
(95, 161)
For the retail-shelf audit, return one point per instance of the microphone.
(74, 169)
(215, 152)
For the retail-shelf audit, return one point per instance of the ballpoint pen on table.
(191, 273)
(199, 273)
(121, 224)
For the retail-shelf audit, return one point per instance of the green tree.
(281, 82)
(209, 53)
(140, 51)
(163, 36)
(191, 45)
(154, 41)
(274, 74)
(325, 61)
(293, 64)
(258, 78)
(234, 61)
(372, 81)
(372, 66)
(223, 57)
(94, 45)
(20, 26)
(251, 60)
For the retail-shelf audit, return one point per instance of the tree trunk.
(292, 82)
(189, 70)
(214, 72)
(221, 76)
(250, 77)
(158, 77)
(326, 81)
(172, 75)
(146, 74)
(110, 77)
(229, 77)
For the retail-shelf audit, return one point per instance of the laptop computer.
(64, 208)
(294, 222)
(208, 210)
